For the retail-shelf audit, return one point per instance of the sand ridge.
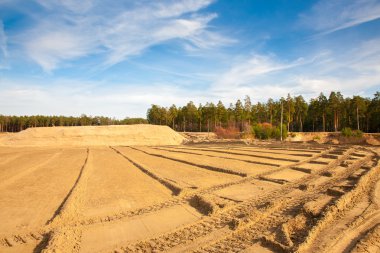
(141, 134)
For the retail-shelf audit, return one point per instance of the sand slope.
(94, 136)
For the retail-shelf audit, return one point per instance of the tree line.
(19, 123)
(323, 113)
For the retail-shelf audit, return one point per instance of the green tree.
(334, 105)
(300, 111)
(221, 113)
(239, 113)
(360, 109)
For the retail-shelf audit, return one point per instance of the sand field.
(190, 198)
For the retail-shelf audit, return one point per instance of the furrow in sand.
(201, 153)
(188, 177)
(270, 160)
(37, 198)
(199, 165)
(66, 232)
(29, 170)
(253, 230)
(227, 164)
(223, 219)
(170, 185)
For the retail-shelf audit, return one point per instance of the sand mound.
(94, 136)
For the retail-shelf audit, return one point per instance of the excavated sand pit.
(180, 198)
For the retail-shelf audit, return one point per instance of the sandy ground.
(216, 162)
(190, 198)
(116, 185)
(184, 175)
(93, 136)
(233, 155)
(30, 198)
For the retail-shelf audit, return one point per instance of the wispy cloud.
(328, 16)
(353, 71)
(115, 31)
(3, 46)
(250, 70)
(73, 97)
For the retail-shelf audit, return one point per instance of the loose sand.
(90, 190)
(94, 136)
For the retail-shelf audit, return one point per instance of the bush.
(358, 133)
(262, 131)
(266, 131)
(348, 132)
(227, 133)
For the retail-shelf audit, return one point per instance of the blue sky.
(115, 58)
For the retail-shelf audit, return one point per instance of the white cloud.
(354, 71)
(3, 46)
(71, 5)
(329, 16)
(115, 31)
(249, 70)
(49, 49)
(74, 97)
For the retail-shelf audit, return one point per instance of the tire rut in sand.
(65, 229)
(207, 167)
(168, 184)
(243, 220)
(28, 171)
(337, 192)
(252, 231)
(218, 156)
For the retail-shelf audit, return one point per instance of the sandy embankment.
(94, 136)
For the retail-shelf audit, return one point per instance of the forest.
(19, 123)
(324, 113)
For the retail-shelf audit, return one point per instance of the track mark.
(176, 190)
(28, 171)
(212, 168)
(229, 158)
(65, 235)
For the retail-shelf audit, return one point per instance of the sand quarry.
(141, 189)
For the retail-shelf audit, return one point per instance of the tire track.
(211, 168)
(65, 229)
(271, 152)
(251, 155)
(236, 214)
(28, 171)
(183, 199)
(238, 225)
(180, 199)
(229, 158)
(253, 230)
(176, 190)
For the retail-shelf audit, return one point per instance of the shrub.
(266, 131)
(358, 133)
(227, 133)
(348, 132)
(262, 131)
